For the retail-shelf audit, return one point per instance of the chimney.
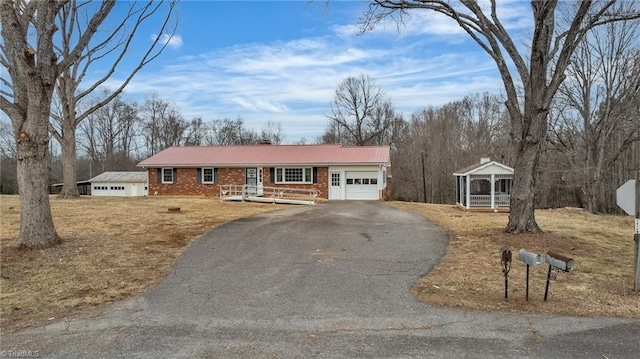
(484, 160)
(265, 142)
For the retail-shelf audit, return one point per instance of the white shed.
(120, 184)
(484, 186)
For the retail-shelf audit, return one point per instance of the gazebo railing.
(480, 200)
(502, 200)
(484, 200)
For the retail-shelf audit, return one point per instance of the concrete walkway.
(327, 281)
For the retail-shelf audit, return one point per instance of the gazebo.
(484, 186)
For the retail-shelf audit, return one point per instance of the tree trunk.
(36, 222)
(68, 144)
(529, 146)
(522, 204)
(591, 200)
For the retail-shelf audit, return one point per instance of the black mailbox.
(505, 259)
(559, 261)
(505, 255)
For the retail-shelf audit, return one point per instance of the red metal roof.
(333, 154)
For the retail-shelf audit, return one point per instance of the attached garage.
(361, 185)
(357, 182)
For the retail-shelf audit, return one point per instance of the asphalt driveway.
(331, 280)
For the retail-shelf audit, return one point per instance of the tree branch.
(147, 57)
(93, 25)
(14, 112)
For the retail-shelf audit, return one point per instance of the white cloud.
(514, 15)
(173, 41)
(259, 104)
(292, 82)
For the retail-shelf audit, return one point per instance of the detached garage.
(119, 184)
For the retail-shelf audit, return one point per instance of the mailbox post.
(531, 259)
(505, 259)
(559, 262)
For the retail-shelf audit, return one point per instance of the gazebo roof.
(485, 165)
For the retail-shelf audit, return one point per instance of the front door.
(335, 186)
(254, 181)
(260, 186)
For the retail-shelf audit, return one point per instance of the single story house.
(336, 172)
(119, 184)
(484, 186)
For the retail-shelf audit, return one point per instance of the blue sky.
(281, 61)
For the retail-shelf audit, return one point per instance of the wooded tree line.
(118, 135)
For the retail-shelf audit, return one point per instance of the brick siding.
(187, 182)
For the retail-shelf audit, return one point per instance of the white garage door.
(362, 185)
(117, 190)
(108, 189)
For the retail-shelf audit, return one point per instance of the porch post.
(460, 191)
(493, 191)
(468, 202)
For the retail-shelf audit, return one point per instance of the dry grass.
(470, 274)
(112, 248)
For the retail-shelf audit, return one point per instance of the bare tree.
(109, 133)
(541, 71)
(360, 113)
(106, 56)
(228, 132)
(196, 132)
(334, 133)
(272, 132)
(33, 71)
(598, 106)
(163, 126)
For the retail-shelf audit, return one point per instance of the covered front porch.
(484, 187)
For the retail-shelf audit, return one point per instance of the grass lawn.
(470, 273)
(112, 248)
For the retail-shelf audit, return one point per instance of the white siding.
(117, 189)
(493, 169)
(359, 182)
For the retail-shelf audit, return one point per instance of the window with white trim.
(167, 175)
(294, 175)
(207, 175)
(362, 181)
